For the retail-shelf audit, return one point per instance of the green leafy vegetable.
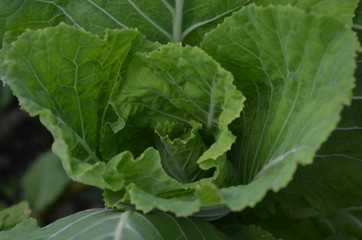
(165, 85)
(79, 147)
(202, 110)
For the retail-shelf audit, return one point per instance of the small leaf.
(13, 215)
(180, 147)
(44, 181)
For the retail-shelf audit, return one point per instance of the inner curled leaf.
(180, 146)
(188, 100)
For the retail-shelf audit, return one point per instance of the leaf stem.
(177, 21)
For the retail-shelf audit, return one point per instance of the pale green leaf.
(65, 75)
(26, 226)
(182, 203)
(181, 85)
(113, 225)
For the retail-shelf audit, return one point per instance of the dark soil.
(22, 139)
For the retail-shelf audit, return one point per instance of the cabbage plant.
(194, 108)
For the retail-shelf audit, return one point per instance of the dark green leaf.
(159, 20)
(247, 232)
(5, 98)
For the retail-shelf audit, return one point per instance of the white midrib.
(210, 116)
(73, 223)
(177, 21)
(120, 226)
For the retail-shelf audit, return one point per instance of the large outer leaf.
(285, 65)
(326, 195)
(105, 224)
(159, 20)
(66, 75)
(324, 198)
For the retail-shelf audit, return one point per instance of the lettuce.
(190, 107)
